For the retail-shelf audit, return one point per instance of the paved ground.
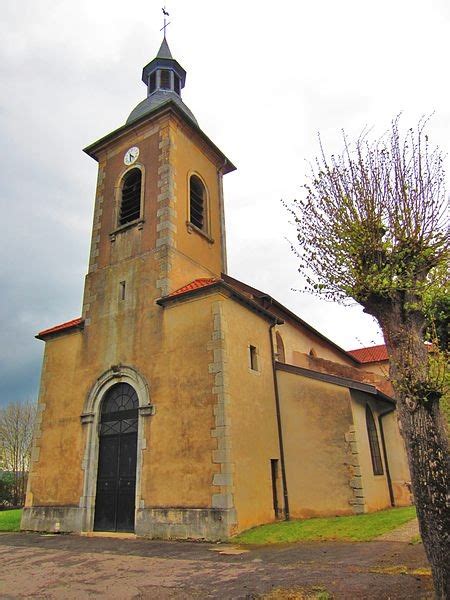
(71, 567)
(404, 533)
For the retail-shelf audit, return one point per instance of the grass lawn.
(357, 528)
(10, 519)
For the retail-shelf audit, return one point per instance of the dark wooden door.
(116, 476)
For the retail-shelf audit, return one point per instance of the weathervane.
(166, 14)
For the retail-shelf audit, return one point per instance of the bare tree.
(16, 434)
(372, 228)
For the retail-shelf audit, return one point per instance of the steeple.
(164, 50)
(164, 78)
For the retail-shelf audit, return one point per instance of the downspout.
(383, 443)
(280, 429)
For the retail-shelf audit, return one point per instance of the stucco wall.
(397, 459)
(299, 341)
(193, 158)
(379, 368)
(254, 440)
(178, 468)
(376, 491)
(56, 476)
(316, 417)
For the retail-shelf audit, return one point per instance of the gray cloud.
(261, 83)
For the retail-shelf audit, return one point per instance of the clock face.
(131, 155)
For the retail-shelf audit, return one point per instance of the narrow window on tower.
(176, 82)
(152, 82)
(165, 80)
(280, 348)
(130, 205)
(377, 463)
(122, 290)
(253, 358)
(197, 202)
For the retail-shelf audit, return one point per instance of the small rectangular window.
(122, 290)
(253, 358)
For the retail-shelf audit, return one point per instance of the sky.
(263, 78)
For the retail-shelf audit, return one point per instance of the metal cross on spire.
(166, 14)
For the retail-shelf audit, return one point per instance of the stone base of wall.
(64, 519)
(210, 524)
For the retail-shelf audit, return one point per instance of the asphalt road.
(73, 567)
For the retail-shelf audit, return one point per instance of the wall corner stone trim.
(37, 433)
(166, 214)
(98, 211)
(223, 496)
(357, 500)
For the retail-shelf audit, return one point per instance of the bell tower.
(159, 214)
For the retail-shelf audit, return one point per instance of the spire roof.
(164, 78)
(164, 50)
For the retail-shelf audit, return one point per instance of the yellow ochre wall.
(56, 475)
(192, 245)
(376, 491)
(316, 417)
(254, 439)
(299, 340)
(379, 368)
(398, 460)
(177, 467)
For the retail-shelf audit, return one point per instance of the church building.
(184, 403)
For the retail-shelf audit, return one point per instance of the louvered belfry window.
(165, 80)
(197, 202)
(176, 81)
(373, 443)
(130, 206)
(152, 82)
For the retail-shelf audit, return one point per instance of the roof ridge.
(194, 285)
(61, 326)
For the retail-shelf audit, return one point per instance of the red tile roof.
(375, 353)
(61, 327)
(194, 285)
(370, 354)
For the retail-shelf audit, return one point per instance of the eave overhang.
(95, 148)
(290, 315)
(58, 330)
(336, 380)
(230, 291)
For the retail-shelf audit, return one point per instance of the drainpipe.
(383, 444)
(280, 430)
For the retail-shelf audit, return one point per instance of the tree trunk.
(425, 437)
(428, 463)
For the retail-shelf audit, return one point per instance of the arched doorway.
(116, 475)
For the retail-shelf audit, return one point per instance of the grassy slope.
(10, 519)
(356, 528)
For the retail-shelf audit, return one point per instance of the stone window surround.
(257, 370)
(206, 232)
(118, 199)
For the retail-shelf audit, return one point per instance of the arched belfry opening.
(117, 458)
(197, 203)
(130, 202)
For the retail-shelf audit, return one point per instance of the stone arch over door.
(90, 419)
